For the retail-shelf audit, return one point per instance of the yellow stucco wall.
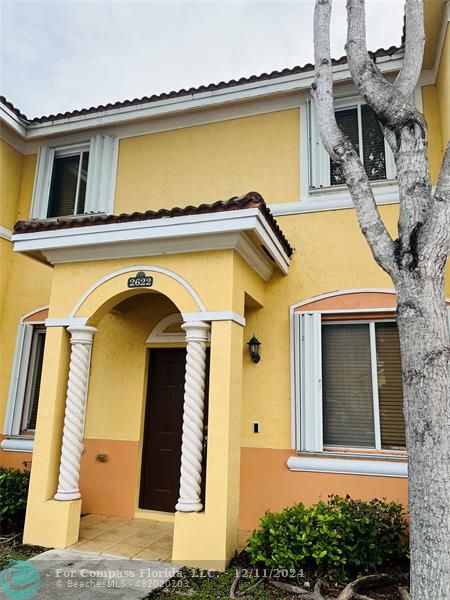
(10, 180)
(443, 89)
(211, 162)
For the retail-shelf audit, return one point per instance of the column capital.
(196, 331)
(81, 334)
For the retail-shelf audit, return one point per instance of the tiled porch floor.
(131, 538)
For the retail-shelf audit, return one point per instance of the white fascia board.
(349, 466)
(197, 101)
(152, 237)
(13, 121)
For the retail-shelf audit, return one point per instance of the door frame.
(156, 514)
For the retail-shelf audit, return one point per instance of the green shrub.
(13, 498)
(340, 538)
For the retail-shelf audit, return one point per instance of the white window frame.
(30, 382)
(311, 456)
(16, 439)
(319, 163)
(100, 185)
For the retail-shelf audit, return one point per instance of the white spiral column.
(72, 442)
(194, 396)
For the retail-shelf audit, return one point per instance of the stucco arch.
(105, 293)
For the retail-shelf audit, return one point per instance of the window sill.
(19, 444)
(329, 198)
(374, 466)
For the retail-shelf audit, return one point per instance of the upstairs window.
(68, 184)
(360, 125)
(358, 122)
(75, 179)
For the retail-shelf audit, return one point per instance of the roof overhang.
(246, 231)
(199, 100)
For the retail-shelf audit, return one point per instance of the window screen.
(374, 158)
(347, 386)
(390, 394)
(347, 121)
(68, 185)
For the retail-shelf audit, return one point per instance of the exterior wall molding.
(224, 315)
(5, 234)
(189, 233)
(19, 444)
(72, 443)
(66, 322)
(155, 269)
(158, 334)
(194, 396)
(348, 466)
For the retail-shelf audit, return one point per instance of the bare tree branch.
(435, 238)
(400, 120)
(393, 108)
(414, 47)
(341, 150)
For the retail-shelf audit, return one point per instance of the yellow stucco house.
(126, 377)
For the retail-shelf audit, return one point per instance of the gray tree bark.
(416, 262)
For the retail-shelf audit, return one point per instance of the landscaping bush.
(13, 498)
(341, 538)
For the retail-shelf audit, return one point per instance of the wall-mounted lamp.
(253, 346)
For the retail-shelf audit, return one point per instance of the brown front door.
(161, 453)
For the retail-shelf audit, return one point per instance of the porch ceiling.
(243, 224)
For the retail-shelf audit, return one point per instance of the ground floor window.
(362, 386)
(25, 381)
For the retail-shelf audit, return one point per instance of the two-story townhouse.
(127, 374)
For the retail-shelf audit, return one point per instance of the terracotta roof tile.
(250, 200)
(212, 87)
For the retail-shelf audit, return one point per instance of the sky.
(66, 54)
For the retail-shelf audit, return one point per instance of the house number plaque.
(140, 280)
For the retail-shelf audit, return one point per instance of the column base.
(186, 506)
(52, 524)
(67, 496)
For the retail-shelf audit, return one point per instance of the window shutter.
(18, 380)
(101, 176)
(42, 181)
(309, 381)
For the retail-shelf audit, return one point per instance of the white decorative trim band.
(5, 234)
(17, 444)
(66, 322)
(348, 466)
(224, 315)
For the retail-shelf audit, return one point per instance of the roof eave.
(195, 101)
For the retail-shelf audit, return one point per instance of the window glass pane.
(64, 186)
(347, 386)
(390, 394)
(34, 378)
(347, 121)
(374, 157)
(83, 180)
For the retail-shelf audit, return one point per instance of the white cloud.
(67, 54)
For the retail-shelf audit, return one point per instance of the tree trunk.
(425, 350)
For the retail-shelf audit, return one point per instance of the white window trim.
(100, 185)
(319, 161)
(16, 440)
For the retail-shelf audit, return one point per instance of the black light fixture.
(253, 346)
